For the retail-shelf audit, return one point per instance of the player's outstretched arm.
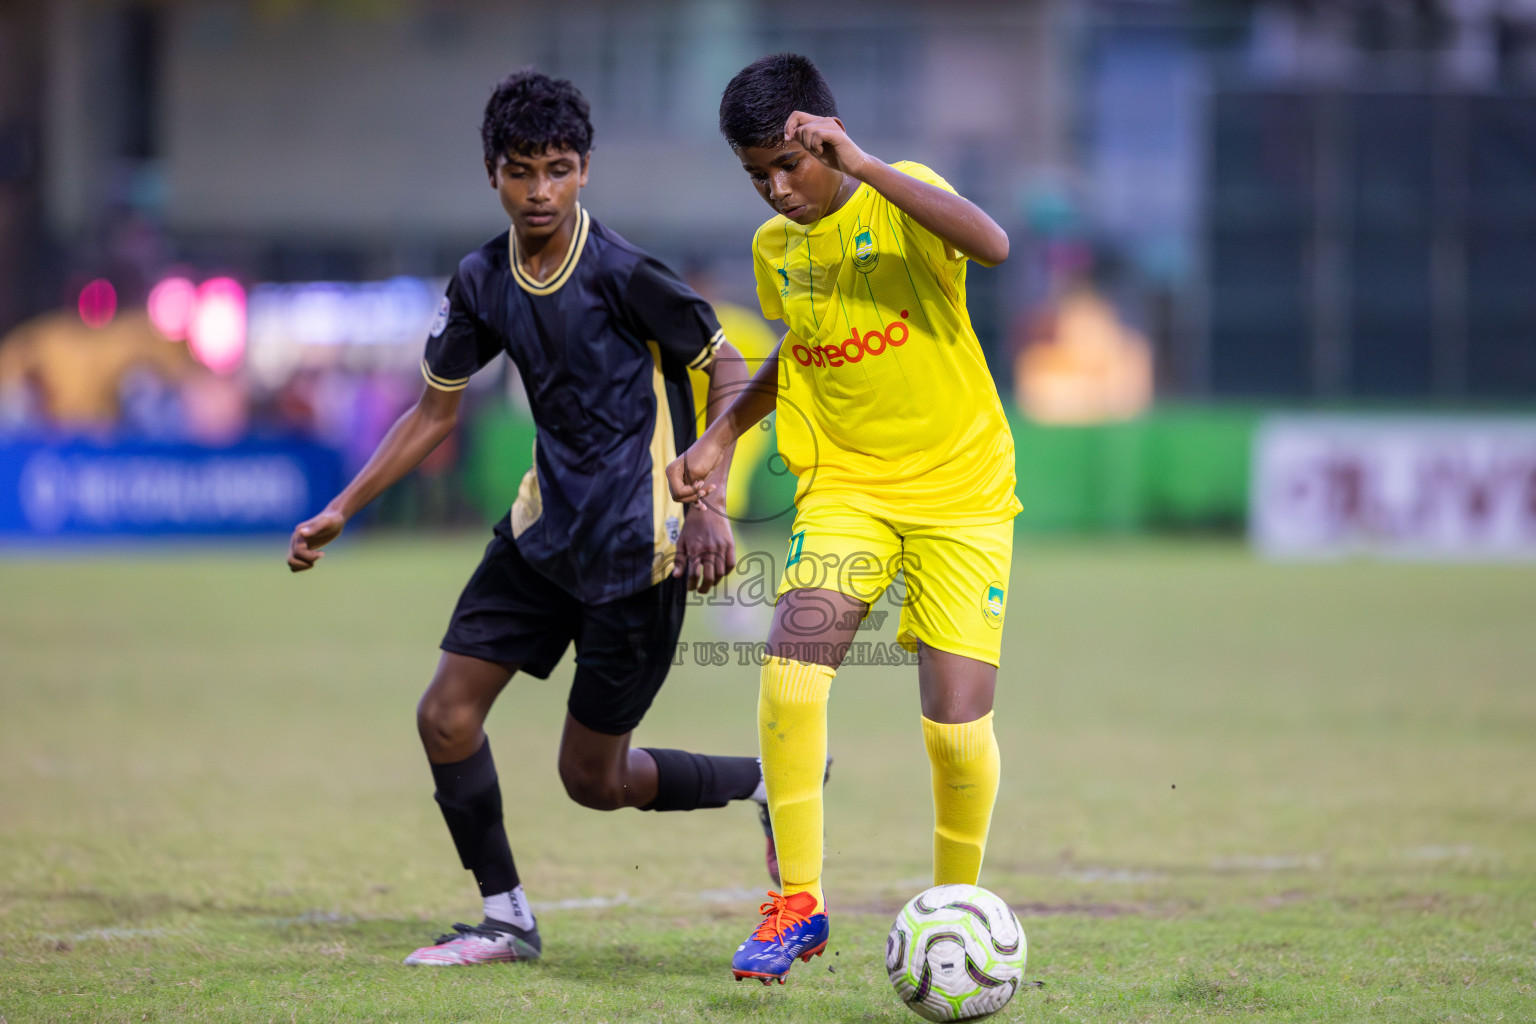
(728, 380)
(410, 440)
(691, 475)
(963, 225)
(706, 549)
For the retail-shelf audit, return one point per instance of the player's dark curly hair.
(763, 95)
(531, 113)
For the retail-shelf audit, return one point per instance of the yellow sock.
(792, 735)
(965, 768)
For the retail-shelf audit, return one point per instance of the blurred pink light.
(216, 333)
(171, 305)
(98, 303)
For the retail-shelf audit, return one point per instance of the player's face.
(539, 192)
(792, 181)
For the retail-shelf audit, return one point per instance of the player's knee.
(597, 790)
(445, 725)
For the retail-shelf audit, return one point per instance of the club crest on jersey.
(784, 278)
(864, 254)
(992, 604)
(440, 321)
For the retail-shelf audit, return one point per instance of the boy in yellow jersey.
(888, 415)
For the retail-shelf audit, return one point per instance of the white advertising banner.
(1453, 488)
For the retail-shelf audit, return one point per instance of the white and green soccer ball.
(956, 952)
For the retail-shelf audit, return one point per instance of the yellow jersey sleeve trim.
(708, 351)
(443, 383)
(567, 265)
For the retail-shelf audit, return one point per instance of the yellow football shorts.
(954, 578)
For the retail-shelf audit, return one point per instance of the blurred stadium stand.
(1280, 203)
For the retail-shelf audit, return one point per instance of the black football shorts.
(511, 614)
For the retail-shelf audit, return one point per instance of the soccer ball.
(956, 952)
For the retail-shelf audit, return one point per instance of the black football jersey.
(604, 347)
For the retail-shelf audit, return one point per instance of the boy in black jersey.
(595, 550)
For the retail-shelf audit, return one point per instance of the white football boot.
(489, 942)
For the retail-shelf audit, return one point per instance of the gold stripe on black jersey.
(443, 383)
(567, 266)
(708, 351)
(529, 505)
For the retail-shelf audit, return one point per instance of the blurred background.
(1272, 294)
(1274, 262)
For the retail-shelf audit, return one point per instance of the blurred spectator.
(216, 408)
(293, 406)
(151, 406)
(377, 402)
(78, 369)
(1078, 362)
(21, 406)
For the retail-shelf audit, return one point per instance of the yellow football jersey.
(884, 396)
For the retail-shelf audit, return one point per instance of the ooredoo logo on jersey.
(855, 347)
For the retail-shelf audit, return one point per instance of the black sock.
(686, 782)
(470, 797)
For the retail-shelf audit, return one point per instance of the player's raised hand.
(688, 474)
(311, 535)
(825, 139)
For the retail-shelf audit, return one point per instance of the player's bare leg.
(815, 626)
(602, 772)
(451, 713)
(954, 688)
(451, 720)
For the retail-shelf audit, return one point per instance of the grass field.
(1231, 790)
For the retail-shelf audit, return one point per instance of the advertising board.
(1452, 488)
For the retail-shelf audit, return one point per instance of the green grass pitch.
(1231, 791)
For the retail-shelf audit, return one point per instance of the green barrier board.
(1174, 469)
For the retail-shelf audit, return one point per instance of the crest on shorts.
(865, 256)
(674, 528)
(440, 321)
(992, 604)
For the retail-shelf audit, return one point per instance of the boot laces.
(778, 917)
